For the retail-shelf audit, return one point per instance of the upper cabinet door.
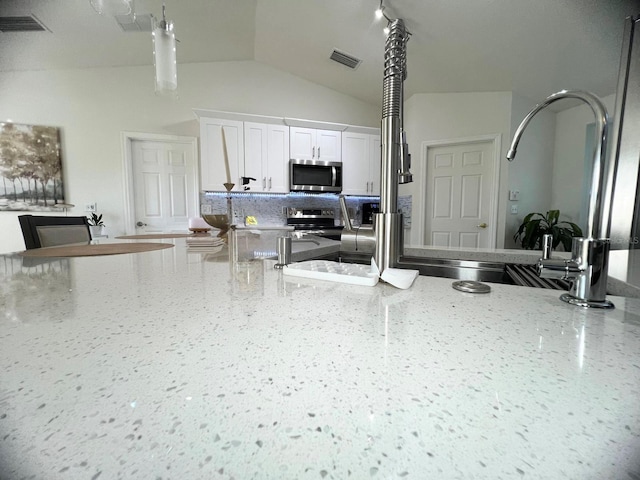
(277, 178)
(375, 164)
(303, 143)
(361, 156)
(212, 161)
(255, 156)
(266, 157)
(329, 145)
(355, 164)
(313, 144)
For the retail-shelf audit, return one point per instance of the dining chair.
(45, 231)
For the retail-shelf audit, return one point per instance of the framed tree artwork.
(30, 168)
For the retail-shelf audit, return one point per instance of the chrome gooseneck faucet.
(588, 267)
(396, 159)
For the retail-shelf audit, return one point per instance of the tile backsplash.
(270, 209)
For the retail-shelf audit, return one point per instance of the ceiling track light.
(380, 13)
(164, 57)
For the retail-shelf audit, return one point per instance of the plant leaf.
(552, 216)
(566, 243)
(557, 236)
(531, 235)
(576, 230)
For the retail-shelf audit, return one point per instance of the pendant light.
(164, 57)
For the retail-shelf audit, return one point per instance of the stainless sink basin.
(509, 274)
(458, 269)
(436, 267)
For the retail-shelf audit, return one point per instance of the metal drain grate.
(526, 275)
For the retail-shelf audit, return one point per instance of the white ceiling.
(533, 47)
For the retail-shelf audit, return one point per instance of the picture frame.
(30, 168)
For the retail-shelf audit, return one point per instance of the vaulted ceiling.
(533, 47)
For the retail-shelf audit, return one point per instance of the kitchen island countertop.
(171, 364)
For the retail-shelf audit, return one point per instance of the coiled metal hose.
(395, 69)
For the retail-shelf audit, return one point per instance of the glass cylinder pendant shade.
(164, 58)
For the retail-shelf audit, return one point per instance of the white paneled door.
(165, 185)
(459, 192)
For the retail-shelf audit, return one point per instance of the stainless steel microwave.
(315, 176)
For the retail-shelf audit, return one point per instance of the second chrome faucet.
(588, 267)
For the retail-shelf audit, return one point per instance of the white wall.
(531, 171)
(446, 116)
(569, 159)
(92, 107)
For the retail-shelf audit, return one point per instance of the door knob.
(140, 224)
(482, 225)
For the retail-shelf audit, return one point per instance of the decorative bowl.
(220, 222)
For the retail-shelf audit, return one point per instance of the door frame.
(126, 140)
(496, 139)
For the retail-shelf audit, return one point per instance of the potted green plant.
(535, 225)
(95, 224)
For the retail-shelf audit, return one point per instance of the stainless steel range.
(316, 221)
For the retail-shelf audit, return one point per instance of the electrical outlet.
(90, 207)
(206, 209)
(514, 209)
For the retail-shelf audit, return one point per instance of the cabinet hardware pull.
(264, 182)
(269, 183)
(318, 153)
(313, 152)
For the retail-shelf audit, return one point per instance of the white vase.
(96, 230)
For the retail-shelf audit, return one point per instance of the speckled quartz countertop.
(180, 365)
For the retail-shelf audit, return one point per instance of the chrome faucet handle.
(547, 246)
(283, 249)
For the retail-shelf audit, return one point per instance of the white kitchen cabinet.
(212, 165)
(361, 158)
(315, 144)
(266, 148)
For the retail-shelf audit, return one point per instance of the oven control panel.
(310, 213)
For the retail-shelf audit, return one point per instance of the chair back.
(45, 231)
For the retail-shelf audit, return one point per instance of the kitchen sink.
(436, 267)
(492, 272)
(457, 269)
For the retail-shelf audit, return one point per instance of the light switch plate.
(514, 195)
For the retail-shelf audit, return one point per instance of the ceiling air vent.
(135, 23)
(21, 24)
(345, 59)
